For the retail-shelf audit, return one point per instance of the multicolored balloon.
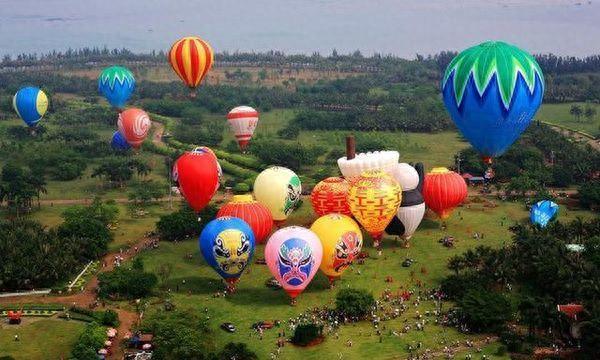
(191, 58)
(116, 84)
(279, 189)
(118, 142)
(30, 103)
(377, 160)
(134, 124)
(342, 242)
(412, 208)
(542, 212)
(492, 91)
(331, 196)
(443, 190)
(227, 244)
(374, 198)
(197, 172)
(293, 255)
(242, 121)
(252, 212)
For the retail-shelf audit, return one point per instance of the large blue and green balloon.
(117, 84)
(31, 104)
(227, 244)
(492, 91)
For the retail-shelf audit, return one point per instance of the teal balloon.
(116, 84)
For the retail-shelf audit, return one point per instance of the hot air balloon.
(134, 125)
(118, 142)
(197, 173)
(443, 190)
(279, 189)
(242, 121)
(542, 212)
(31, 104)
(227, 244)
(116, 84)
(191, 58)
(378, 160)
(492, 91)
(293, 255)
(252, 212)
(374, 198)
(411, 210)
(331, 196)
(342, 241)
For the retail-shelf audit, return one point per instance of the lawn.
(129, 228)
(559, 114)
(253, 301)
(39, 338)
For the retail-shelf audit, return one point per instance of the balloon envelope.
(377, 160)
(30, 103)
(227, 244)
(252, 212)
(492, 91)
(331, 196)
(118, 142)
(443, 190)
(191, 58)
(342, 241)
(197, 173)
(542, 212)
(279, 189)
(242, 121)
(134, 125)
(374, 198)
(116, 84)
(293, 255)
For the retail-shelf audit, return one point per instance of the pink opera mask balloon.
(294, 255)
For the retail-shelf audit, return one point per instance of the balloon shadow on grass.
(195, 285)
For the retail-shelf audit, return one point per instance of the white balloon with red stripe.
(242, 121)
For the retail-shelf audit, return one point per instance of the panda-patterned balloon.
(411, 210)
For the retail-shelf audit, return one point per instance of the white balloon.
(377, 160)
(406, 176)
(410, 217)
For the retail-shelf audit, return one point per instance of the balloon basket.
(332, 280)
(192, 94)
(293, 302)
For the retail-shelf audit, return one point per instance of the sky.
(400, 27)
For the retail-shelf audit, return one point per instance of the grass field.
(129, 227)
(253, 301)
(40, 339)
(559, 114)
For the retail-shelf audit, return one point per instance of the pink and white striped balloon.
(293, 255)
(242, 121)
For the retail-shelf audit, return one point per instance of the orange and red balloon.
(443, 190)
(331, 196)
(191, 58)
(197, 173)
(252, 212)
(134, 125)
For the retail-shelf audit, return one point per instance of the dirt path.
(88, 297)
(158, 133)
(594, 143)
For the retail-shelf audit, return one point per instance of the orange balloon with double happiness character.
(373, 199)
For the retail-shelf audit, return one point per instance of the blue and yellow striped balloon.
(31, 104)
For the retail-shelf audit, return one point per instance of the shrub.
(241, 188)
(184, 223)
(306, 334)
(89, 342)
(128, 283)
(237, 351)
(108, 318)
(355, 303)
(484, 310)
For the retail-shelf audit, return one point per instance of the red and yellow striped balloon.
(191, 58)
